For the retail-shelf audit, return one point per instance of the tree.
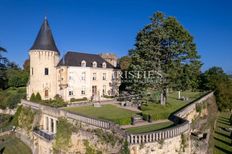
(125, 62)
(164, 46)
(26, 65)
(217, 80)
(3, 63)
(212, 78)
(16, 77)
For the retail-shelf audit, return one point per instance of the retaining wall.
(181, 126)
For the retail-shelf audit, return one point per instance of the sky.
(96, 26)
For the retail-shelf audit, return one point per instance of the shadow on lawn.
(223, 122)
(224, 150)
(224, 119)
(220, 140)
(219, 133)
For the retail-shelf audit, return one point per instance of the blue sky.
(111, 25)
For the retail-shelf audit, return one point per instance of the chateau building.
(75, 75)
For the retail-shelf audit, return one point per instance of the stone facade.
(168, 146)
(51, 75)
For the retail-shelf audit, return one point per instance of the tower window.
(32, 71)
(46, 93)
(46, 71)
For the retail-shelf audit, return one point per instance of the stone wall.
(182, 125)
(168, 146)
(8, 111)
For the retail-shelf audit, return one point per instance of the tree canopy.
(165, 46)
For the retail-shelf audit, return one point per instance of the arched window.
(94, 64)
(83, 63)
(104, 65)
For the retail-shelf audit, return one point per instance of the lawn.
(106, 112)
(158, 111)
(222, 140)
(150, 128)
(9, 144)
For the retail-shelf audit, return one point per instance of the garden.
(158, 111)
(107, 112)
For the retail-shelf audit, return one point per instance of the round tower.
(44, 57)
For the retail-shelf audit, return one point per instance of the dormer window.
(94, 64)
(104, 65)
(83, 63)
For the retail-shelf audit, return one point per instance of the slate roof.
(44, 39)
(75, 58)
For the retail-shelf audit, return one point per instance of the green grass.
(13, 145)
(158, 111)
(149, 128)
(222, 141)
(106, 112)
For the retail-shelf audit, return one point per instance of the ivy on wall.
(63, 135)
(24, 118)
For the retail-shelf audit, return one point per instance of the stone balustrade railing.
(68, 114)
(181, 125)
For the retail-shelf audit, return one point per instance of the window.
(83, 76)
(32, 71)
(94, 76)
(104, 65)
(83, 90)
(70, 93)
(94, 64)
(104, 90)
(104, 76)
(83, 63)
(46, 93)
(46, 71)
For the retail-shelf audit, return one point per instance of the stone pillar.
(45, 122)
(49, 125)
(55, 127)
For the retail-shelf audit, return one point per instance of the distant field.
(150, 128)
(9, 144)
(222, 140)
(107, 112)
(158, 111)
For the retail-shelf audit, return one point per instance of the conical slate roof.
(44, 39)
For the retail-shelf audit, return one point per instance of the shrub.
(16, 116)
(106, 137)
(38, 97)
(63, 135)
(146, 117)
(107, 96)
(79, 99)
(26, 118)
(125, 149)
(32, 98)
(198, 107)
